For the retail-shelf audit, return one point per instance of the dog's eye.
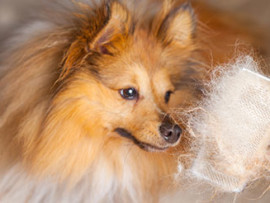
(167, 96)
(129, 93)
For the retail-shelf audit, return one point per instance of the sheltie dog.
(87, 96)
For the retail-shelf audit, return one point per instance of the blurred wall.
(256, 11)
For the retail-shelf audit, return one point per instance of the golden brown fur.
(60, 103)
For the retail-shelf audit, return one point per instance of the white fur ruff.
(99, 185)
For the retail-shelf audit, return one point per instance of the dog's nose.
(170, 132)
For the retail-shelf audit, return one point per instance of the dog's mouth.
(145, 146)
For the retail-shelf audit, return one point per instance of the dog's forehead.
(141, 64)
(147, 52)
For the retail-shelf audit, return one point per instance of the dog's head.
(122, 70)
(116, 86)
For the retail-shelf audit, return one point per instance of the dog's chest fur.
(100, 184)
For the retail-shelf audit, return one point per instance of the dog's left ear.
(178, 26)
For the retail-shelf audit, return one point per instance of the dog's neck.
(133, 176)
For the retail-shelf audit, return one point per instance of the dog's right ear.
(112, 36)
(108, 35)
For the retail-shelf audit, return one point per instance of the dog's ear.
(112, 36)
(178, 26)
(108, 34)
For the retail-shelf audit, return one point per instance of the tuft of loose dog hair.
(230, 132)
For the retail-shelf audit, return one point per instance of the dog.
(86, 101)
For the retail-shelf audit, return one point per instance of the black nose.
(170, 132)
